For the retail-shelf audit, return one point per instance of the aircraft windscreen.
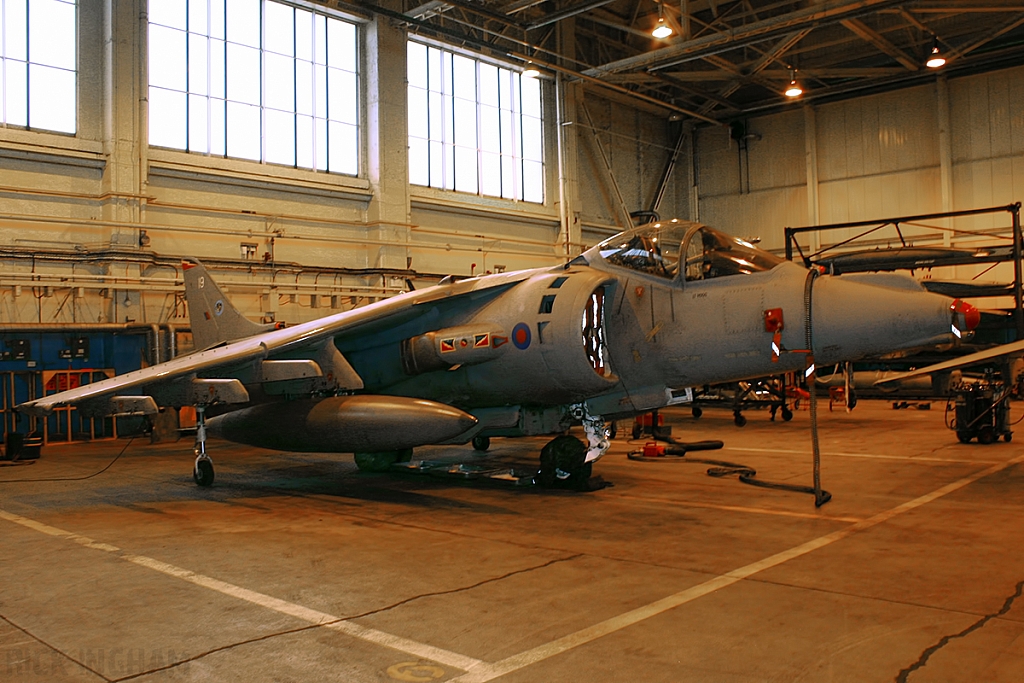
(655, 249)
(650, 249)
(711, 254)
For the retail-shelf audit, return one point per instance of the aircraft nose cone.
(855, 319)
(971, 315)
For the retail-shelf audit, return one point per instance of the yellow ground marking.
(736, 508)
(869, 456)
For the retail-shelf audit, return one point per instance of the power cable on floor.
(820, 496)
(89, 476)
(677, 451)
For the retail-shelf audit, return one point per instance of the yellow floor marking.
(871, 456)
(738, 508)
(312, 616)
(488, 672)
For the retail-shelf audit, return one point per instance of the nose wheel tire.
(203, 472)
(563, 463)
(481, 443)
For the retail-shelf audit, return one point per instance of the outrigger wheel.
(203, 471)
(563, 463)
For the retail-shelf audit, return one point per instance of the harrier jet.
(611, 333)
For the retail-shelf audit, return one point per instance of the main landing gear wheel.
(787, 414)
(696, 411)
(563, 463)
(381, 461)
(481, 443)
(739, 419)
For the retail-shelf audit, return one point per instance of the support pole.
(1018, 306)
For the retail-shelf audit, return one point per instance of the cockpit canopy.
(663, 248)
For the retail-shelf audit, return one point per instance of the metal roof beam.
(870, 35)
(683, 51)
(570, 12)
(1014, 23)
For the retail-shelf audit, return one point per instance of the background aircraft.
(660, 307)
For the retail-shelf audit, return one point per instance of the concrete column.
(566, 97)
(945, 151)
(694, 178)
(811, 158)
(124, 73)
(571, 234)
(387, 138)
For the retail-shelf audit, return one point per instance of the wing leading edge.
(961, 362)
(234, 355)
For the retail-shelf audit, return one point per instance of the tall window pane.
(255, 79)
(39, 64)
(473, 127)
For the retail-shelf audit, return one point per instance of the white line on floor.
(488, 672)
(870, 456)
(394, 642)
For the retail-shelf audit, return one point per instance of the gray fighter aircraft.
(612, 333)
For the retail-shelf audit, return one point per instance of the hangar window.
(473, 126)
(38, 64)
(254, 79)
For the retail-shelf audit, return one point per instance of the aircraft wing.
(198, 377)
(961, 362)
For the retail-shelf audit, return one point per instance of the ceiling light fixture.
(935, 58)
(661, 30)
(793, 89)
(531, 70)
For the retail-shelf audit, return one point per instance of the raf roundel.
(521, 336)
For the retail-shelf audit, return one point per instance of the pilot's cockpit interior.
(701, 252)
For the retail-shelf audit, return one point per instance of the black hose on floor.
(88, 476)
(677, 450)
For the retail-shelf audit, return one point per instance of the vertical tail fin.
(213, 319)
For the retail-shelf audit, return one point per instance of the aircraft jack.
(202, 472)
(458, 470)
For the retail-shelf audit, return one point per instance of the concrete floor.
(298, 568)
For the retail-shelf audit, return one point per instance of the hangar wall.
(950, 145)
(93, 226)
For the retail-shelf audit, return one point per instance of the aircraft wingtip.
(34, 409)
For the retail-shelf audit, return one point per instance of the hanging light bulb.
(935, 58)
(793, 89)
(661, 30)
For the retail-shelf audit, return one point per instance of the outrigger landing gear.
(202, 472)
